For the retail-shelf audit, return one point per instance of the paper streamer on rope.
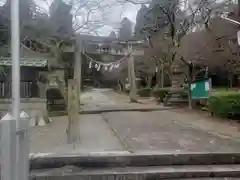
(106, 66)
(99, 66)
(90, 64)
(112, 66)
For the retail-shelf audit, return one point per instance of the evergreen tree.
(125, 31)
(141, 20)
(113, 35)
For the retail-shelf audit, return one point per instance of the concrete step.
(104, 160)
(176, 102)
(212, 178)
(139, 173)
(57, 113)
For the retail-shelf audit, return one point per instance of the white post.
(24, 146)
(8, 147)
(15, 42)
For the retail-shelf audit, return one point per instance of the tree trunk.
(122, 82)
(230, 80)
(149, 81)
(239, 7)
(190, 77)
(62, 89)
(206, 72)
(158, 73)
(119, 84)
(162, 75)
(73, 107)
(61, 78)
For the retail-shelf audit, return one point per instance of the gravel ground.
(166, 131)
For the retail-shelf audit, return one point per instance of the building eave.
(25, 62)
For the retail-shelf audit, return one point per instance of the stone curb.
(24, 100)
(124, 159)
(139, 173)
(106, 110)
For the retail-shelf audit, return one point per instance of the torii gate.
(79, 49)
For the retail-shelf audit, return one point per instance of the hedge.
(225, 104)
(161, 93)
(144, 92)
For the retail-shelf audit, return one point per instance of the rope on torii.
(106, 66)
(114, 41)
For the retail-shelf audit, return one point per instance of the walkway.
(95, 134)
(127, 132)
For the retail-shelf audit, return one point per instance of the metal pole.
(15, 43)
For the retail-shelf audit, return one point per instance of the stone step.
(212, 178)
(176, 96)
(139, 173)
(101, 160)
(57, 113)
(176, 102)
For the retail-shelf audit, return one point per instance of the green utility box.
(201, 89)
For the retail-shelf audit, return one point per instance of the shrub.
(161, 93)
(144, 92)
(225, 104)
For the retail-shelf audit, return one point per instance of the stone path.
(160, 131)
(107, 100)
(96, 97)
(95, 134)
(165, 131)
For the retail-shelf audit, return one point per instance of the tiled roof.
(27, 62)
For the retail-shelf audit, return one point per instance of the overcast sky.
(128, 10)
(113, 17)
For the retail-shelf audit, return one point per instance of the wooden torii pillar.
(132, 77)
(78, 64)
(131, 69)
(74, 92)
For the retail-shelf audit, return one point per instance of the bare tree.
(229, 57)
(216, 47)
(174, 20)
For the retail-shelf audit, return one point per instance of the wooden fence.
(27, 89)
